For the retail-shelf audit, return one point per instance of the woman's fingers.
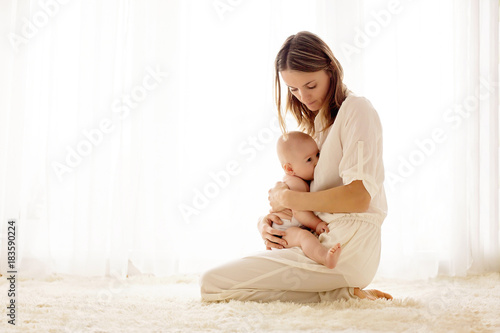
(272, 237)
(277, 185)
(276, 240)
(274, 219)
(274, 195)
(271, 231)
(273, 240)
(271, 244)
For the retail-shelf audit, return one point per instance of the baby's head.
(298, 155)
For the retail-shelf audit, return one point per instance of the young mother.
(347, 191)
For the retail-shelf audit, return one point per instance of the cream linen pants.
(288, 275)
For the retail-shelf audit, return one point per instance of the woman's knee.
(207, 285)
(213, 283)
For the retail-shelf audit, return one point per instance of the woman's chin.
(313, 109)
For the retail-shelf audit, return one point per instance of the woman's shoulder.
(354, 101)
(355, 106)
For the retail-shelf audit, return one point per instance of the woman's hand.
(269, 234)
(276, 197)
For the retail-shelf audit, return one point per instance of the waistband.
(375, 219)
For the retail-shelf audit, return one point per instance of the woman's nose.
(306, 96)
(302, 95)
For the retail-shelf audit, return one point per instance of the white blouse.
(351, 149)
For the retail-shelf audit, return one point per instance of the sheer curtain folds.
(141, 134)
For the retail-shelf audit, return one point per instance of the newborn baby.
(298, 155)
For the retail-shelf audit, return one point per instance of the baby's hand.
(321, 228)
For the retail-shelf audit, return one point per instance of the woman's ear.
(288, 169)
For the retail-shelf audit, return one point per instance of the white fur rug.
(150, 304)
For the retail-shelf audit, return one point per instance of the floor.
(151, 304)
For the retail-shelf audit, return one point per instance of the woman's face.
(310, 88)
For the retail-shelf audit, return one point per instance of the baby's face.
(304, 159)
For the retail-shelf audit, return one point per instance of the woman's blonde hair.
(306, 52)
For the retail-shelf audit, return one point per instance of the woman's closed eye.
(295, 89)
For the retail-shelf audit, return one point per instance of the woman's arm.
(351, 198)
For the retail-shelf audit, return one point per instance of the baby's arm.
(306, 218)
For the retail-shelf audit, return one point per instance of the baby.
(298, 155)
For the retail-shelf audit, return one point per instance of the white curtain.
(139, 135)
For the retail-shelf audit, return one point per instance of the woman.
(347, 191)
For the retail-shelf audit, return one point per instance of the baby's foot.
(332, 256)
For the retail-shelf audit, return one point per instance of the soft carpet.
(151, 304)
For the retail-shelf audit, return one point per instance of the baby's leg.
(312, 247)
(332, 256)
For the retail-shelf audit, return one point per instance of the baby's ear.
(288, 169)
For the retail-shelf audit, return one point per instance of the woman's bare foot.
(371, 294)
(332, 256)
